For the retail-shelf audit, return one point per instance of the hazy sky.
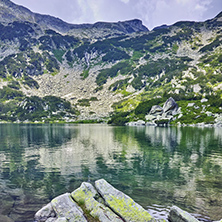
(152, 12)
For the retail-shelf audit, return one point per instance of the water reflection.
(157, 166)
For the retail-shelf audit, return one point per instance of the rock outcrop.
(87, 195)
(122, 204)
(178, 215)
(170, 107)
(61, 208)
(162, 115)
(101, 203)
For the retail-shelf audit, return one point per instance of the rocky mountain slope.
(97, 69)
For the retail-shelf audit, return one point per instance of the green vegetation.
(14, 85)
(85, 73)
(69, 58)
(86, 102)
(169, 67)
(55, 41)
(193, 114)
(16, 30)
(119, 119)
(50, 63)
(121, 67)
(115, 55)
(88, 121)
(59, 54)
(212, 45)
(30, 82)
(48, 108)
(118, 85)
(144, 107)
(83, 102)
(192, 110)
(7, 93)
(87, 213)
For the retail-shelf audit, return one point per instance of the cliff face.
(103, 67)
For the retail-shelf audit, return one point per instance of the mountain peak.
(219, 15)
(10, 12)
(130, 26)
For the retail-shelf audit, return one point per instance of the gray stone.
(203, 100)
(122, 204)
(190, 104)
(44, 213)
(178, 215)
(196, 88)
(149, 117)
(64, 206)
(51, 219)
(156, 110)
(209, 113)
(61, 219)
(87, 194)
(180, 115)
(140, 123)
(5, 218)
(170, 106)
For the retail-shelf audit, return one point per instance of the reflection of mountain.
(167, 137)
(196, 153)
(92, 142)
(154, 165)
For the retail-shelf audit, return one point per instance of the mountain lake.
(157, 166)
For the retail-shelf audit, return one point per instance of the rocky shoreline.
(143, 123)
(163, 116)
(101, 202)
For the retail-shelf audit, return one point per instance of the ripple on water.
(158, 211)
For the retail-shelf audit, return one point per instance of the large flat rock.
(87, 195)
(65, 207)
(122, 204)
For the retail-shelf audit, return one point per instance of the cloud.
(125, 1)
(158, 12)
(102, 10)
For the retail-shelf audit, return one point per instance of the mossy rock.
(122, 204)
(86, 196)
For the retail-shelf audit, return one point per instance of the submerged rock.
(178, 215)
(5, 218)
(122, 204)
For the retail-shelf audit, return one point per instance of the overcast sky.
(152, 12)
